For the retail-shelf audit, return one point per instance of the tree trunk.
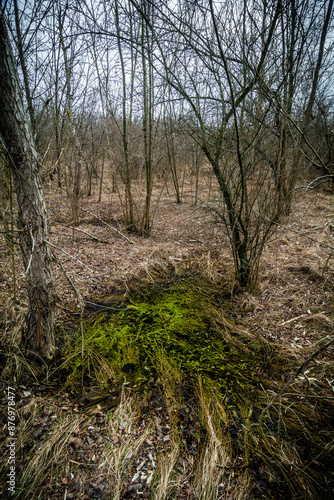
(24, 68)
(15, 130)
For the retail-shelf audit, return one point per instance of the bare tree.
(201, 63)
(148, 98)
(15, 132)
(304, 32)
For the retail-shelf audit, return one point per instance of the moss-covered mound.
(258, 413)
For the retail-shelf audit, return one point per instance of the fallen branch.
(95, 238)
(69, 279)
(293, 319)
(303, 235)
(108, 225)
(318, 316)
(71, 256)
(308, 360)
(295, 375)
(319, 180)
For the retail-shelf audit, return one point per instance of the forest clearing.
(76, 447)
(166, 250)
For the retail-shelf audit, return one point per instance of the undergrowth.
(275, 429)
(246, 419)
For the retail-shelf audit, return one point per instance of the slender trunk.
(172, 159)
(102, 171)
(128, 192)
(147, 124)
(197, 170)
(308, 112)
(58, 152)
(78, 161)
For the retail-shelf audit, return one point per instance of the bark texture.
(16, 134)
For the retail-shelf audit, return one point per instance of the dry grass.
(48, 460)
(164, 482)
(119, 460)
(35, 460)
(216, 451)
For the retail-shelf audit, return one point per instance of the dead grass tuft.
(17, 365)
(48, 459)
(216, 452)
(118, 459)
(319, 321)
(164, 482)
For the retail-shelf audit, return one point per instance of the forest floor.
(291, 308)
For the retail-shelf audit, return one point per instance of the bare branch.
(71, 256)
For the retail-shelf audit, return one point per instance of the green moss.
(176, 324)
(177, 333)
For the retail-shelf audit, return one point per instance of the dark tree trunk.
(15, 130)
